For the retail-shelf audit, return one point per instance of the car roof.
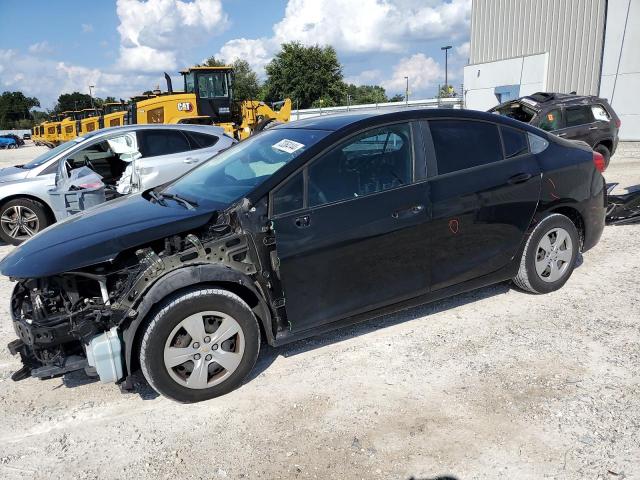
(340, 121)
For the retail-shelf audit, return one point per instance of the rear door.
(578, 123)
(166, 154)
(351, 228)
(484, 192)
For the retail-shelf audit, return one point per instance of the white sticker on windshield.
(287, 146)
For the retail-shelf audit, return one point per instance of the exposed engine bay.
(79, 319)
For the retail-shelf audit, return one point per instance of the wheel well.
(45, 205)
(606, 143)
(243, 292)
(575, 217)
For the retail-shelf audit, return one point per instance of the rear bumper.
(593, 214)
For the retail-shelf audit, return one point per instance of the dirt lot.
(490, 384)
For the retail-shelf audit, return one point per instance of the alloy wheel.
(19, 222)
(204, 349)
(553, 255)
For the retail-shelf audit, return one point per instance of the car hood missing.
(99, 234)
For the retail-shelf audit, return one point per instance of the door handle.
(519, 178)
(408, 212)
(190, 160)
(303, 221)
(594, 128)
(562, 134)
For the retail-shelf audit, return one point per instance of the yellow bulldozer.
(208, 99)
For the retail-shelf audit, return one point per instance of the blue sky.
(122, 47)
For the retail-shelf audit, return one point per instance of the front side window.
(371, 162)
(212, 85)
(550, 121)
(290, 196)
(233, 173)
(462, 144)
(576, 116)
(162, 142)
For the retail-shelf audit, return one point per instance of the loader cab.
(88, 120)
(114, 114)
(213, 88)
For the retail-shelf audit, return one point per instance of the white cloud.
(87, 28)
(372, 25)
(39, 48)
(46, 79)
(423, 72)
(257, 52)
(462, 51)
(154, 32)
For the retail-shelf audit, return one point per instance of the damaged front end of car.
(88, 318)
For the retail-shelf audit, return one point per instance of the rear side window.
(162, 142)
(575, 116)
(599, 113)
(515, 142)
(462, 144)
(201, 140)
(552, 120)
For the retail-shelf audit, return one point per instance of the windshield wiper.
(190, 204)
(157, 198)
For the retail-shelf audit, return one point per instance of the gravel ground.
(490, 384)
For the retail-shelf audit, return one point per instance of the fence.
(389, 106)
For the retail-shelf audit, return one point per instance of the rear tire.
(549, 255)
(604, 151)
(33, 217)
(200, 344)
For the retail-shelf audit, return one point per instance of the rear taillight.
(618, 123)
(598, 161)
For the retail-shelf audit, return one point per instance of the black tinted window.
(575, 116)
(515, 142)
(373, 161)
(289, 197)
(201, 140)
(462, 144)
(162, 142)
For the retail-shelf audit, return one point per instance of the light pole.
(446, 66)
(406, 91)
(91, 94)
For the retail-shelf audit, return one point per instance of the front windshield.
(212, 85)
(36, 162)
(234, 172)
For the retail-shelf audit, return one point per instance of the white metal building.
(592, 47)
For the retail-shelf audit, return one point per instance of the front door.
(483, 198)
(358, 241)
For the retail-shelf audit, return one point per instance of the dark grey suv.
(575, 117)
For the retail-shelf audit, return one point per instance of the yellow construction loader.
(208, 99)
(69, 126)
(113, 114)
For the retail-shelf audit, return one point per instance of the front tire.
(21, 219)
(200, 344)
(549, 255)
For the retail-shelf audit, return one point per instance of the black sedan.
(298, 230)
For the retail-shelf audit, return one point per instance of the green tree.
(398, 97)
(73, 101)
(304, 74)
(212, 62)
(15, 108)
(361, 94)
(245, 82)
(447, 91)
